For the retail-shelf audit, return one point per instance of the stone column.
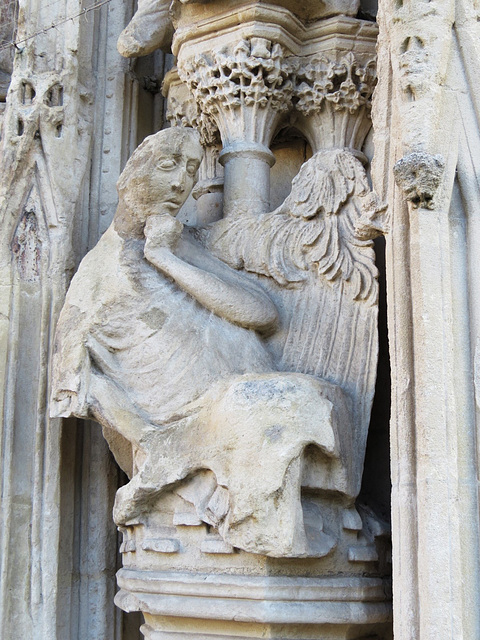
(180, 569)
(244, 90)
(426, 137)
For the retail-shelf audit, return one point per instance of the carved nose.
(178, 182)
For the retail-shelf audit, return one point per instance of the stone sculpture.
(199, 365)
(230, 351)
(419, 174)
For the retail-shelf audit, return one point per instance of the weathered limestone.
(7, 30)
(39, 192)
(426, 170)
(182, 111)
(151, 26)
(241, 419)
(245, 91)
(207, 555)
(248, 110)
(425, 144)
(58, 480)
(208, 394)
(221, 410)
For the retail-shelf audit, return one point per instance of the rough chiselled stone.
(137, 355)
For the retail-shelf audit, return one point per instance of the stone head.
(158, 178)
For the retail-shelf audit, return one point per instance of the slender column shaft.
(247, 178)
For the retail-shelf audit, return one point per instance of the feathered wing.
(323, 278)
(313, 228)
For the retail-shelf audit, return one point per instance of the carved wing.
(321, 273)
(314, 227)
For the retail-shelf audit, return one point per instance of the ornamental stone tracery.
(242, 516)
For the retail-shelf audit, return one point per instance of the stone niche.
(228, 343)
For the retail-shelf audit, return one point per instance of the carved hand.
(162, 231)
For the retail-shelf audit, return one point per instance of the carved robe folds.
(232, 364)
(193, 385)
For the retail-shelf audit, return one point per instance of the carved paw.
(150, 28)
(373, 221)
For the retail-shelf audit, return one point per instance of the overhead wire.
(9, 11)
(54, 25)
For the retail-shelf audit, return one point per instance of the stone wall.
(60, 160)
(75, 113)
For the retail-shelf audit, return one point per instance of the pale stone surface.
(286, 489)
(38, 193)
(58, 196)
(288, 607)
(419, 175)
(425, 127)
(232, 366)
(58, 546)
(151, 27)
(196, 407)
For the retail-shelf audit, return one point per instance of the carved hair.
(130, 220)
(324, 183)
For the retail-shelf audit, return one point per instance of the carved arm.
(228, 299)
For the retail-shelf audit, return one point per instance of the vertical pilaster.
(45, 151)
(58, 544)
(420, 104)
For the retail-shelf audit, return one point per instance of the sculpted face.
(157, 179)
(173, 175)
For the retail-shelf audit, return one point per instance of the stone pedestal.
(189, 583)
(230, 530)
(185, 605)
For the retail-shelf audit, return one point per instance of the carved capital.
(332, 97)
(182, 109)
(243, 89)
(346, 84)
(419, 174)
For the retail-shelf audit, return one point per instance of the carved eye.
(166, 164)
(192, 168)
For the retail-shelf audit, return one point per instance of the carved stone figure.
(419, 175)
(200, 365)
(150, 28)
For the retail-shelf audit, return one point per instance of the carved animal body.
(180, 368)
(313, 259)
(191, 390)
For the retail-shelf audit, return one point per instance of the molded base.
(177, 606)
